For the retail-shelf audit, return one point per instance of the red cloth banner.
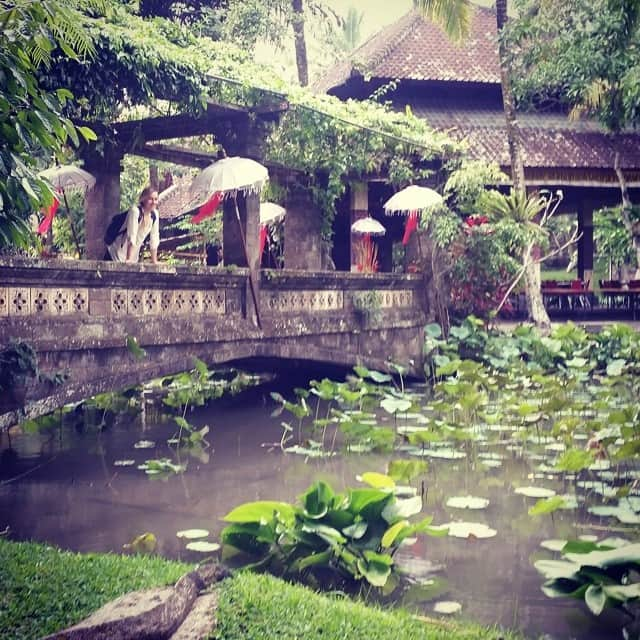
(208, 208)
(410, 226)
(43, 227)
(263, 238)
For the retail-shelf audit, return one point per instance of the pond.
(66, 486)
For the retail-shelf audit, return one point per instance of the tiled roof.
(176, 199)
(416, 49)
(549, 139)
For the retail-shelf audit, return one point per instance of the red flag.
(48, 216)
(208, 208)
(410, 226)
(263, 238)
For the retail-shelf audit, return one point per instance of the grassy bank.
(44, 589)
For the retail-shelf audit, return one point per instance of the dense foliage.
(583, 54)
(31, 120)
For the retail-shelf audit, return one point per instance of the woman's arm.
(132, 230)
(154, 240)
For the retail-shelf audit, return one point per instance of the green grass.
(44, 589)
(254, 607)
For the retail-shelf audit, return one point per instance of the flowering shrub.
(482, 269)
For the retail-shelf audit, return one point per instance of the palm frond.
(454, 16)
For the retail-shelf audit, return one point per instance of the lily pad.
(467, 502)
(624, 513)
(470, 530)
(553, 544)
(448, 607)
(535, 492)
(203, 546)
(144, 444)
(588, 538)
(192, 534)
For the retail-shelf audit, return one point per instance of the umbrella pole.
(246, 255)
(71, 225)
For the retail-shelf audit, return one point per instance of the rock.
(155, 614)
(201, 620)
(141, 615)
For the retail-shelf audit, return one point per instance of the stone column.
(585, 242)
(102, 202)
(302, 231)
(359, 208)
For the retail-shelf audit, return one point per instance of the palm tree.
(455, 18)
(300, 42)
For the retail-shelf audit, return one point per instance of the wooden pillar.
(103, 201)
(585, 242)
(359, 208)
(302, 231)
(233, 250)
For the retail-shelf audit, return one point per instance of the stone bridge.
(79, 314)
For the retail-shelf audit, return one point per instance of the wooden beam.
(135, 132)
(176, 154)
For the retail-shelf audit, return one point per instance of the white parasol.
(68, 177)
(413, 198)
(65, 178)
(229, 176)
(368, 226)
(271, 212)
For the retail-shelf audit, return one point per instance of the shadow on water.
(63, 486)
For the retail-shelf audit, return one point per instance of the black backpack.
(116, 225)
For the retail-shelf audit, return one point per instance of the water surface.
(62, 487)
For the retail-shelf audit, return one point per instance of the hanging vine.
(169, 69)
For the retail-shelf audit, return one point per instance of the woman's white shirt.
(136, 234)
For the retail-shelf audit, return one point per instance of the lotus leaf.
(203, 546)
(535, 492)
(470, 530)
(447, 607)
(192, 534)
(467, 502)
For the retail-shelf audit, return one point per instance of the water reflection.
(62, 487)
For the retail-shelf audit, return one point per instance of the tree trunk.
(300, 42)
(632, 227)
(535, 304)
(533, 291)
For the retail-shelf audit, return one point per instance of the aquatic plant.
(353, 534)
(602, 574)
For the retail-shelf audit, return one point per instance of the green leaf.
(317, 500)
(375, 567)
(392, 533)
(595, 598)
(574, 460)
(328, 534)
(359, 499)
(406, 470)
(261, 511)
(546, 505)
(399, 508)
(356, 530)
(134, 348)
(377, 480)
